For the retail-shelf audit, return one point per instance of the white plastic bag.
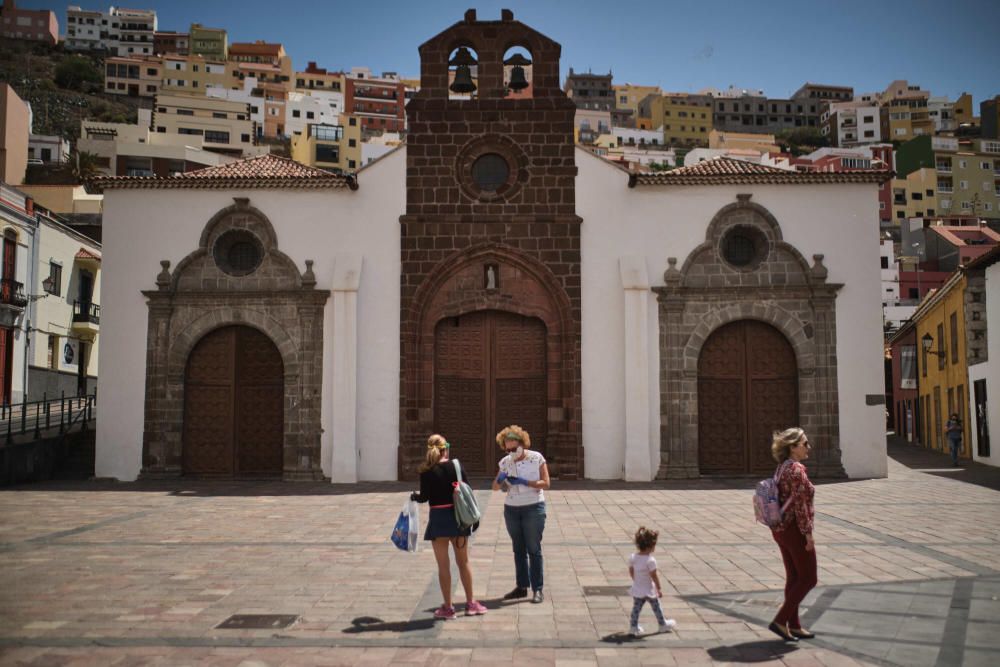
(406, 533)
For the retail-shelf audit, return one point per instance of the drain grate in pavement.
(257, 622)
(611, 591)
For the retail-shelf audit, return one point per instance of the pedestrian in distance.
(794, 534)
(953, 431)
(646, 585)
(437, 483)
(524, 476)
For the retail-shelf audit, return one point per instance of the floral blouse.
(794, 481)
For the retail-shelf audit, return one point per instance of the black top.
(437, 484)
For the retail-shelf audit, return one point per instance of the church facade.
(269, 319)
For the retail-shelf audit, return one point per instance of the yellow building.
(763, 143)
(135, 76)
(686, 119)
(916, 195)
(225, 126)
(336, 148)
(212, 43)
(628, 96)
(318, 78)
(906, 118)
(942, 377)
(194, 73)
(964, 113)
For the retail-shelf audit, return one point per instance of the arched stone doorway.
(233, 406)
(747, 389)
(489, 371)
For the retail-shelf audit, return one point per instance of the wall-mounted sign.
(68, 353)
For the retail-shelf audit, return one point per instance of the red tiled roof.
(264, 171)
(727, 171)
(83, 253)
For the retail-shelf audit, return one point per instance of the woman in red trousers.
(794, 534)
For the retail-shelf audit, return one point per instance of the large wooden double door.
(747, 389)
(234, 406)
(489, 372)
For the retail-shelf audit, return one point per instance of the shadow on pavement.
(932, 462)
(757, 651)
(372, 624)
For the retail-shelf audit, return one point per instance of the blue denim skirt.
(442, 523)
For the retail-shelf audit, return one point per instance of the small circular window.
(238, 253)
(490, 172)
(744, 247)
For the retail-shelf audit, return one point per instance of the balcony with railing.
(86, 316)
(12, 293)
(375, 93)
(943, 166)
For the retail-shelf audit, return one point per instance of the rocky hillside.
(62, 87)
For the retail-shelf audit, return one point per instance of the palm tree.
(84, 165)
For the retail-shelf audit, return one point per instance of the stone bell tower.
(490, 250)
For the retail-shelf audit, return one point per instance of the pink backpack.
(766, 505)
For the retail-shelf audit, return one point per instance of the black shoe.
(516, 594)
(538, 597)
(801, 633)
(782, 632)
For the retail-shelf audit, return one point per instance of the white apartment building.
(316, 107)
(627, 136)
(84, 28)
(119, 31)
(379, 145)
(852, 123)
(942, 112)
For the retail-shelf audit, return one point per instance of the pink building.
(15, 127)
(37, 25)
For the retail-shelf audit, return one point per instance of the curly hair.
(645, 538)
(514, 432)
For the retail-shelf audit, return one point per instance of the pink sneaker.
(444, 613)
(475, 608)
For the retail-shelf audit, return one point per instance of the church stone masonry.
(526, 231)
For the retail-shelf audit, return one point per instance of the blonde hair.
(781, 446)
(436, 448)
(514, 432)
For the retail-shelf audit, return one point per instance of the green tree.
(77, 73)
(83, 165)
(801, 140)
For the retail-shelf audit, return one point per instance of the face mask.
(516, 452)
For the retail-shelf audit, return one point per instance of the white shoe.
(635, 631)
(669, 625)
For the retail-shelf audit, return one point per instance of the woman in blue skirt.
(437, 485)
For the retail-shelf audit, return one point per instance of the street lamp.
(927, 341)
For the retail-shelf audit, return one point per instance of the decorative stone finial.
(818, 271)
(163, 279)
(672, 275)
(309, 278)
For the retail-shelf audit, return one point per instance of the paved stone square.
(99, 573)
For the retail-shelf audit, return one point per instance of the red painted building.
(36, 25)
(379, 103)
(901, 398)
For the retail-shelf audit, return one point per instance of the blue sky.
(945, 46)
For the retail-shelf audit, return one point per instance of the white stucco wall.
(142, 227)
(990, 371)
(838, 221)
